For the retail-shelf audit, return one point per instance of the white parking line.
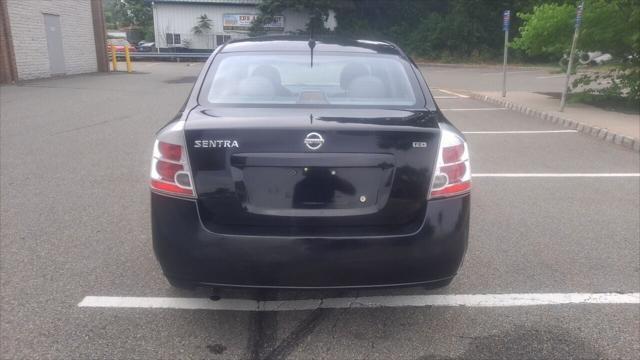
(453, 93)
(475, 109)
(550, 76)
(568, 175)
(521, 132)
(446, 97)
(484, 300)
(510, 72)
(427, 72)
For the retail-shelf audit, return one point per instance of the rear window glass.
(346, 79)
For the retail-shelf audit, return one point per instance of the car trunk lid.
(321, 171)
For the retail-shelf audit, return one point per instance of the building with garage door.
(44, 38)
(174, 22)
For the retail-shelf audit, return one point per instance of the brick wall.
(30, 42)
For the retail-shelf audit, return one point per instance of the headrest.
(268, 72)
(256, 86)
(350, 72)
(366, 87)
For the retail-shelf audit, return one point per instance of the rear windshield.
(289, 79)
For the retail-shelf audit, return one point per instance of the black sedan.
(300, 163)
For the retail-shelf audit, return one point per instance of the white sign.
(243, 22)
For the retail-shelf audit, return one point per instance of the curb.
(604, 134)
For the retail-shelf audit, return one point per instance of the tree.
(607, 26)
(456, 29)
(113, 15)
(436, 29)
(131, 13)
(318, 11)
(203, 25)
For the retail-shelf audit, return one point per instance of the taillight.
(170, 171)
(171, 152)
(453, 174)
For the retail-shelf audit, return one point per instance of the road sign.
(506, 18)
(576, 32)
(579, 15)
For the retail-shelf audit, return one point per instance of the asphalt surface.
(489, 78)
(74, 221)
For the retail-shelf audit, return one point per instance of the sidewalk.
(612, 126)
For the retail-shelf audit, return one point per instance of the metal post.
(506, 17)
(127, 58)
(504, 64)
(156, 34)
(563, 99)
(114, 61)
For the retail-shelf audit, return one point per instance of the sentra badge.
(215, 144)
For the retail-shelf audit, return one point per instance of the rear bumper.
(189, 253)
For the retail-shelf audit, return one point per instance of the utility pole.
(576, 32)
(506, 16)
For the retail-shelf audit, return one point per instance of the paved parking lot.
(489, 78)
(74, 213)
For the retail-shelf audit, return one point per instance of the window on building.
(221, 39)
(173, 39)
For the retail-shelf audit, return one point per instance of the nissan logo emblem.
(313, 141)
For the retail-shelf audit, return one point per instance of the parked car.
(298, 163)
(119, 44)
(144, 46)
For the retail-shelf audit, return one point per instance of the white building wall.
(30, 42)
(181, 18)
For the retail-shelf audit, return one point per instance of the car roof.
(322, 44)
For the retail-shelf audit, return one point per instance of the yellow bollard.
(127, 58)
(114, 62)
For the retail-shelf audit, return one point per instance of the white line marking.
(521, 132)
(439, 71)
(484, 300)
(475, 109)
(550, 77)
(568, 175)
(446, 97)
(510, 72)
(452, 93)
